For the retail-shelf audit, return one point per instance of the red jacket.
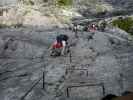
(57, 45)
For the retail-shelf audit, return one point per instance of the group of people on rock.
(60, 45)
(91, 27)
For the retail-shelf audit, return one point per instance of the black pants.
(56, 52)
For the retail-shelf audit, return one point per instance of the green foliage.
(18, 25)
(2, 25)
(120, 12)
(125, 24)
(28, 2)
(64, 2)
(1, 12)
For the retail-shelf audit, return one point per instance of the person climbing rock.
(60, 46)
(75, 29)
(92, 28)
(103, 26)
(9, 45)
(8, 42)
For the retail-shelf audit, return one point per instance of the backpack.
(62, 37)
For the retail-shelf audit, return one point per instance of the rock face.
(121, 3)
(115, 3)
(99, 65)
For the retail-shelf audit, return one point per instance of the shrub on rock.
(125, 24)
(64, 2)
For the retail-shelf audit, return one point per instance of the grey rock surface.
(96, 63)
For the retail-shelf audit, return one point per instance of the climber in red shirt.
(59, 46)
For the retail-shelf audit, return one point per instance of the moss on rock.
(125, 24)
(64, 2)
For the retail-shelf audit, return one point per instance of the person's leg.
(55, 52)
(66, 49)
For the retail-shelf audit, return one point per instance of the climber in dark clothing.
(92, 28)
(75, 29)
(103, 26)
(59, 46)
(7, 43)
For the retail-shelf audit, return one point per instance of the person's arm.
(51, 47)
(64, 47)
